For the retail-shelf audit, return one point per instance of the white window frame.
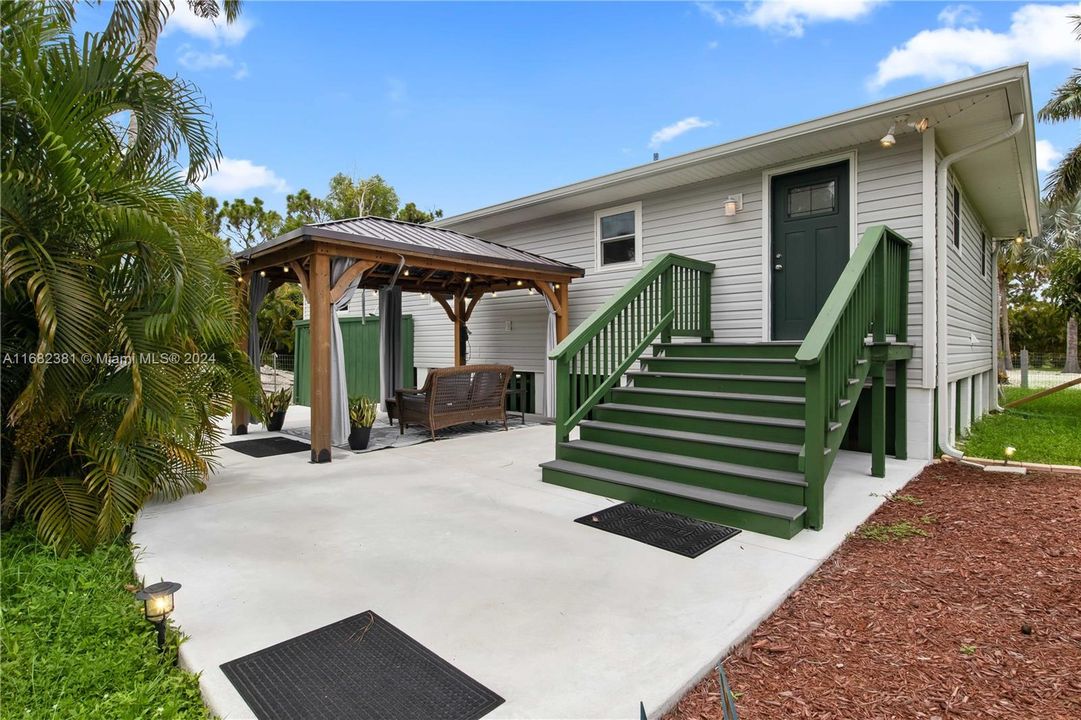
(637, 262)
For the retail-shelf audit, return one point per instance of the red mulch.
(980, 619)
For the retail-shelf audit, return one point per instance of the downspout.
(941, 251)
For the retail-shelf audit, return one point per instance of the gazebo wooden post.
(319, 287)
(459, 321)
(563, 318)
(240, 413)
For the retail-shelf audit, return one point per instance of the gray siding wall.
(970, 301)
(690, 221)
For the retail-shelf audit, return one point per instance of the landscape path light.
(157, 604)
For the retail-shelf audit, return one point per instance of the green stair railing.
(669, 297)
(870, 299)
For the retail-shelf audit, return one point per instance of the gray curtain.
(256, 293)
(390, 341)
(549, 364)
(339, 391)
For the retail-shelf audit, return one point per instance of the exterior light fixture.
(262, 273)
(888, 140)
(1020, 239)
(733, 204)
(406, 273)
(519, 283)
(1008, 451)
(532, 290)
(557, 286)
(494, 293)
(157, 604)
(920, 125)
(469, 278)
(285, 268)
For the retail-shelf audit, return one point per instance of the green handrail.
(669, 297)
(870, 298)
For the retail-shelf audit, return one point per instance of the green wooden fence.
(361, 340)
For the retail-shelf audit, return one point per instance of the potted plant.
(274, 406)
(361, 419)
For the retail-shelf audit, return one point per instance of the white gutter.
(941, 251)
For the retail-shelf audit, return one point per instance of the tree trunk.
(1071, 346)
(11, 491)
(148, 44)
(1004, 321)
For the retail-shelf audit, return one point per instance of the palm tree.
(1062, 231)
(109, 273)
(143, 21)
(1064, 182)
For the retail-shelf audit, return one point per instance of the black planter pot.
(358, 437)
(275, 421)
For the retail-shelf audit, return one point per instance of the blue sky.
(463, 105)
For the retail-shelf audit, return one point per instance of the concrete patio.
(461, 546)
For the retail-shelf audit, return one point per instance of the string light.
(262, 273)
(469, 278)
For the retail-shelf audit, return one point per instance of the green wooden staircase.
(719, 431)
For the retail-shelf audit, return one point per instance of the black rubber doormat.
(661, 529)
(360, 668)
(268, 447)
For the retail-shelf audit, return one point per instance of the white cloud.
(671, 132)
(241, 72)
(790, 17)
(193, 59)
(1047, 156)
(216, 31)
(955, 15)
(1038, 34)
(234, 177)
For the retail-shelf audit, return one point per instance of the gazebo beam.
(357, 268)
(302, 278)
(319, 285)
(459, 345)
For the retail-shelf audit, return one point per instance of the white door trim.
(768, 174)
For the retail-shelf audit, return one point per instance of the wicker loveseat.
(453, 396)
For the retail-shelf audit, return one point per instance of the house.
(776, 218)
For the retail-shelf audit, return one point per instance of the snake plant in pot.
(274, 406)
(361, 419)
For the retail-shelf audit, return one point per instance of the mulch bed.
(980, 618)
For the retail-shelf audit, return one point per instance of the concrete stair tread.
(664, 433)
(775, 361)
(785, 399)
(707, 415)
(717, 466)
(772, 508)
(718, 376)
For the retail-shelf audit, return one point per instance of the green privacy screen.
(360, 336)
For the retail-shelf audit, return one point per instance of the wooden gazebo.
(456, 270)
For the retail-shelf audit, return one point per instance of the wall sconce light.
(1020, 239)
(733, 204)
(157, 604)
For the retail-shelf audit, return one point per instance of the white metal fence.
(1039, 370)
(276, 372)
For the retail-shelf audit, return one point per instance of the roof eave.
(885, 108)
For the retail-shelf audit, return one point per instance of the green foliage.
(1064, 182)
(75, 643)
(274, 402)
(276, 316)
(361, 411)
(349, 198)
(1047, 430)
(884, 532)
(248, 223)
(109, 273)
(1038, 325)
(1064, 282)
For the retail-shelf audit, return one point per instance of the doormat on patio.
(358, 668)
(268, 446)
(386, 436)
(664, 530)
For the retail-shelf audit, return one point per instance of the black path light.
(157, 604)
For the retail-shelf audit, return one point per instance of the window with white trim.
(618, 233)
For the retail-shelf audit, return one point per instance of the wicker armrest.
(409, 391)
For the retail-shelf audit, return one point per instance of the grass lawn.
(75, 644)
(1047, 430)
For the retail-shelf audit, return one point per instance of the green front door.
(809, 225)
